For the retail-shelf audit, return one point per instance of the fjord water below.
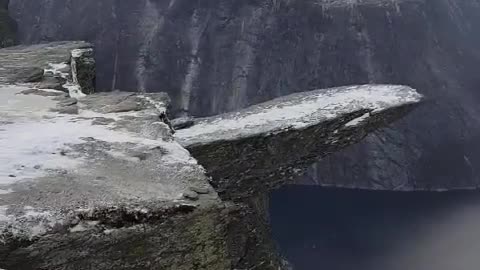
(339, 229)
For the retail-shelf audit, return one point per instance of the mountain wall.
(7, 26)
(214, 56)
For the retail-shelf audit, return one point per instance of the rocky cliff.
(7, 26)
(102, 182)
(220, 55)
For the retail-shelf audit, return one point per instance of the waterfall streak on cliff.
(150, 25)
(195, 34)
(246, 55)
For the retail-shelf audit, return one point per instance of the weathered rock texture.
(220, 55)
(97, 182)
(100, 181)
(66, 66)
(268, 145)
(7, 26)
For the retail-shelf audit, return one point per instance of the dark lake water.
(335, 229)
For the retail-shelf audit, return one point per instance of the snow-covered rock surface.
(16, 62)
(101, 159)
(299, 111)
(73, 164)
(269, 144)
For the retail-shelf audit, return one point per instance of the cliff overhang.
(268, 145)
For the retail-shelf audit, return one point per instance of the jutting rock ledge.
(102, 181)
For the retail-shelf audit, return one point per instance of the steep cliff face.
(7, 26)
(220, 55)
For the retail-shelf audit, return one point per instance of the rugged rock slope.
(219, 55)
(100, 182)
(96, 182)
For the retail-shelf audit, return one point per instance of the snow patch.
(41, 221)
(160, 106)
(59, 70)
(301, 110)
(74, 90)
(358, 120)
(15, 105)
(3, 213)
(35, 140)
(62, 70)
(32, 148)
(123, 156)
(5, 191)
(177, 154)
(85, 226)
(79, 52)
(51, 90)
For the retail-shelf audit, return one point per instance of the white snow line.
(160, 106)
(302, 111)
(358, 120)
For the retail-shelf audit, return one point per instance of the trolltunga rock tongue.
(269, 144)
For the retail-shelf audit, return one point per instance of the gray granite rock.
(70, 109)
(42, 93)
(200, 189)
(183, 122)
(268, 145)
(52, 82)
(124, 106)
(191, 195)
(68, 102)
(35, 74)
(85, 68)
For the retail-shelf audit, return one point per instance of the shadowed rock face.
(220, 55)
(7, 26)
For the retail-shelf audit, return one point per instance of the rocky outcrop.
(65, 66)
(93, 182)
(101, 182)
(84, 69)
(252, 151)
(221, 55)
(7, 26)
